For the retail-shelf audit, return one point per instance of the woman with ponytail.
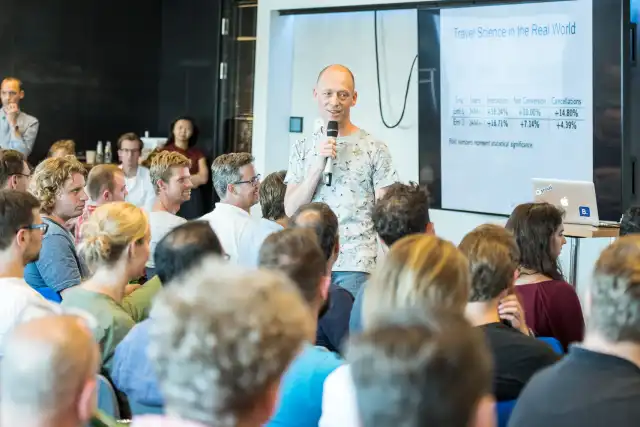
(115, 247)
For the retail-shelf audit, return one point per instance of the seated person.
(140, 189)
(184, 247)
(296, 253)
(220, 341)
(49, 373)
(21, 231)
(493, 307)
(15, 172)
(115, 245)
(172, 182)
(62, 148)
(434, 372)
(630, 222)
(58, 183)
(237, 184)
(271, 198)
(402, 211)
(551, 305)
(333, 326)
(598, 382)
(105, 184)
(419, 272)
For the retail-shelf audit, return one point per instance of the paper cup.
(91, 157)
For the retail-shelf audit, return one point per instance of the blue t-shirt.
(59, 267)
(131, 369)
(300, 396)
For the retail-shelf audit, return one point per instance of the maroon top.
(192, 153)
(552, 309)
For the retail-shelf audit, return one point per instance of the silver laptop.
(576, 198)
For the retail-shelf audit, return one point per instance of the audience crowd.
(121, 304)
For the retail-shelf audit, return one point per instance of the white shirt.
(140, 189)
(240, 234)
(160, 224)
(16, 296)
(339, 404)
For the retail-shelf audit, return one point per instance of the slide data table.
(516, 101)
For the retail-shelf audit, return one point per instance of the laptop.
(576, 198)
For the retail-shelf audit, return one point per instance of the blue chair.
(140, 409)
(49, 294)
(553, 343)
(504, 410)
(107, 399)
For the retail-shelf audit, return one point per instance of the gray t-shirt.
(363, 166)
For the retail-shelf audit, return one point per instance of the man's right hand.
(327, 148)
(12, 112)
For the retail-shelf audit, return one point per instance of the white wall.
(347, 38)
(291, 50)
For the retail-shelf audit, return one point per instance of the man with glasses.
(18, 130)
(238, 186)
(21, 231)
(137, 178)
(14, 170)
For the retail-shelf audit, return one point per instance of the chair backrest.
(107, 399)
(554, 343)
(504, 410)
(140, 409)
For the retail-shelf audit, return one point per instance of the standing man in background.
(18, 130)
(362, 169)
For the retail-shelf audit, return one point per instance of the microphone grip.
(327, 175)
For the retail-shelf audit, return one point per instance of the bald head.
(309, 218)
(337, 69)
(323, 221)
(12, 81)
(46, 367)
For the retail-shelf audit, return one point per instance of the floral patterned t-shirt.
(363, 166)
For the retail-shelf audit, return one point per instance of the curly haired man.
(58, 183)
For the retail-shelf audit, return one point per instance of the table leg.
(573, 264)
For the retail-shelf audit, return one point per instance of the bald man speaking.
(362, 169)
(18, 130)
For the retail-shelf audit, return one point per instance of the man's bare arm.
(299, 194)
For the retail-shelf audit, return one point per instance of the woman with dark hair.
(551, 305)
(183, 136)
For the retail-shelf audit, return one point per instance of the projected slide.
(516, 95)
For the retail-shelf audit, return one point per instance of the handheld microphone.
(332, 132)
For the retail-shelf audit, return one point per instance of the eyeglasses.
(252, 181)
(129, 151)
(21, 174)
(42, 227)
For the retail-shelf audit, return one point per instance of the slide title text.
(533, 30)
